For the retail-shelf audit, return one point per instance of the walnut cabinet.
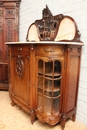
(9, 17)
(44, 78)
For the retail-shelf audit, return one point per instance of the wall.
(30, 10)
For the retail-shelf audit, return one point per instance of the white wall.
(30, 10)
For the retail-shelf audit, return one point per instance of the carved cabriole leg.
(12, 103)
(33, 115)
(73, 117)
(63, 119)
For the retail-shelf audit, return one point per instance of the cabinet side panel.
(72, 83)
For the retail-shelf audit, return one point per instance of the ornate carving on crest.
(19, 67)
(48, 25)
(53, 28)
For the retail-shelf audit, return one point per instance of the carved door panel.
(9, 34)
(20, 77)
(9, 15)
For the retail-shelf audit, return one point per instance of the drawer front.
(20, 49)
(49, 50)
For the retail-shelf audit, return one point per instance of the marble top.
(46, 42)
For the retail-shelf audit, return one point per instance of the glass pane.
(40, 102)
(55, 94)
(57, 66)
(48, 85)
(40, 82)
(48, 68)
(47, 105)
(57, 85)
(40, 67)
(56, 103)
(40, 91)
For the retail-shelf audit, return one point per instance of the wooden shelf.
(49, 89)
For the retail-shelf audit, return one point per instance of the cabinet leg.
(63, 119)
(33, 115)
(12, 103)
(73, 117)
(63, 124)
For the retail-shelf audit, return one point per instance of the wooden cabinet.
(9, 15)
(44, 79)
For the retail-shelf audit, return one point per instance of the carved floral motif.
(20, 67)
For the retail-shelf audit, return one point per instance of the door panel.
(20, 66)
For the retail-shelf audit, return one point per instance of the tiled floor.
(13, 118)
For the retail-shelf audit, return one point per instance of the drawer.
(20, 48)
(49, 50)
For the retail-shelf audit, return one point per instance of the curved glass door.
(48, 86)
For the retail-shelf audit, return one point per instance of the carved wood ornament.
(9, 30)
(53, 28)
(19, 67)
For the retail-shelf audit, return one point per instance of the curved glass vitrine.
(49, 86)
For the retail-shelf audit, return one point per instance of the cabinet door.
(20, 77)
(49, 82)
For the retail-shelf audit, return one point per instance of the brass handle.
(20, 48)
(29, 84)
(48, 50)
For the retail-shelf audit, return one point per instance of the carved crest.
(48, 25)
(53, 28)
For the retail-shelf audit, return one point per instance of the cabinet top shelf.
(45, 43)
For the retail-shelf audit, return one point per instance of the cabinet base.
(23, 106)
